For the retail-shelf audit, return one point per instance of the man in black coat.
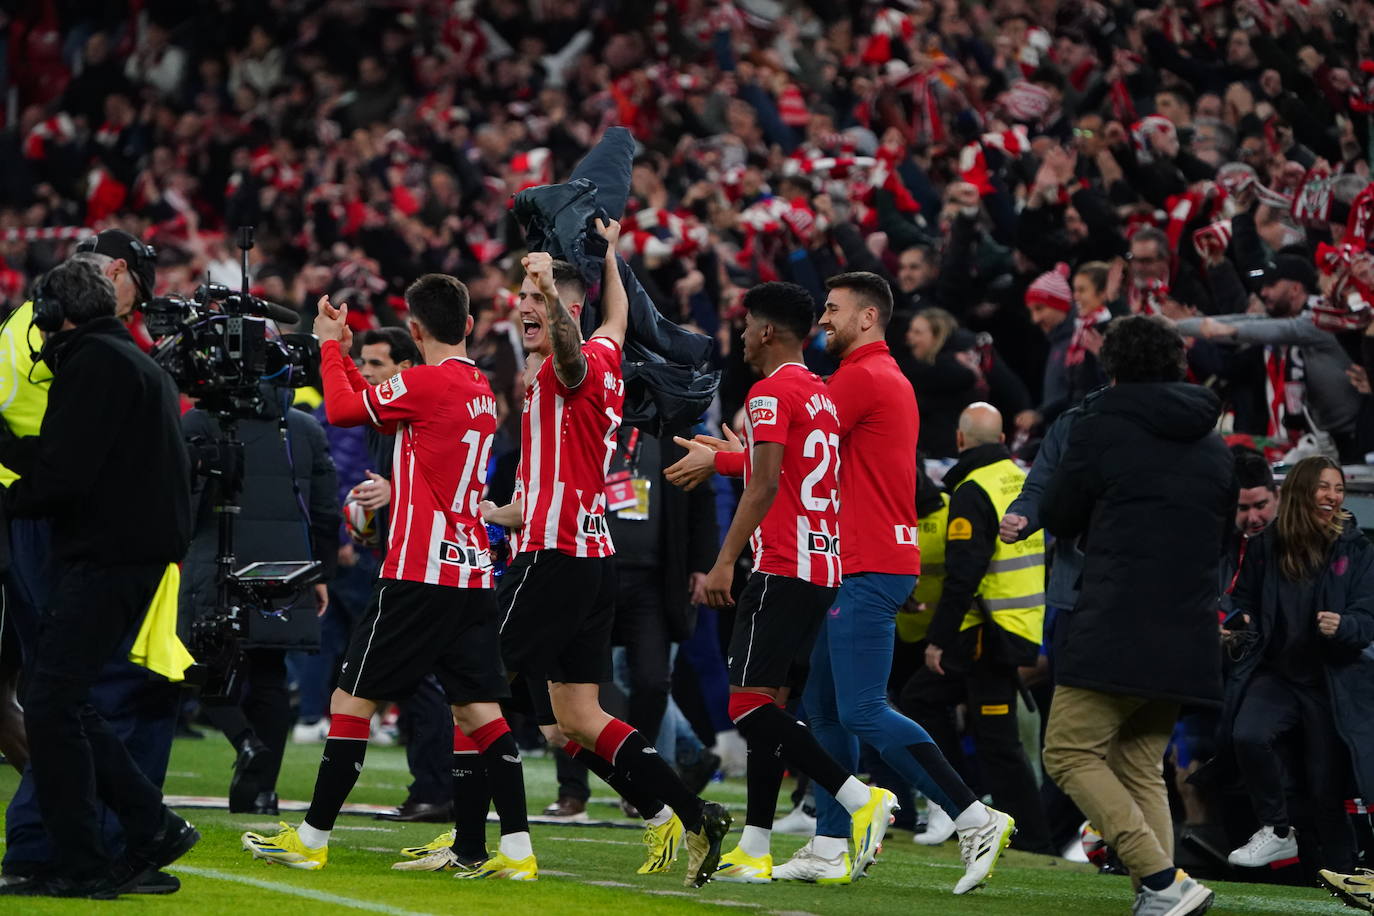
(110, 470)
(1148, 487)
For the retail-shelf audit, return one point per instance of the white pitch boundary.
(291, 889)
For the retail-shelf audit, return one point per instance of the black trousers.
(263, 707)
(1270, 709)
(428, 723)
(991, 692)
(75, 756)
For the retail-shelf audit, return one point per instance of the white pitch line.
(587, 839)
(292, 890)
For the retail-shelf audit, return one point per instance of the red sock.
(353, 728)
(571, 748)
(611, 738)
(462, 744)
(486, 735)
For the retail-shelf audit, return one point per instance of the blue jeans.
(846, 692)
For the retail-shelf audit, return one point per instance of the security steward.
(989, 620)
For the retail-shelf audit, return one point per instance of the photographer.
(112, 429)
(287, 512)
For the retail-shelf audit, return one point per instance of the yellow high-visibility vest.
(23, 382)
(1013, 588)
(912, 624)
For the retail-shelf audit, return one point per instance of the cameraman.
(112, 430)
(140, 709)
(287, 511)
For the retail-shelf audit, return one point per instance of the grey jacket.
(1334, 402)
(1066, 564)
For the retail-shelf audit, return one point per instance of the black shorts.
(412, 629)
(556, 616)
(777, 620)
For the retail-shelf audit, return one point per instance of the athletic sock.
(505, 775)
(941, 784)
(974, 816)
(763, 724)
(649, 807)
(626, 749)
(1281, 831)
(763, 772)
(829, 847)
(471, 798)
(516, 846)
(1160, 880)
(340, 764)
(755, 841)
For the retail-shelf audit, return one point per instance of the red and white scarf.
(1081, 325)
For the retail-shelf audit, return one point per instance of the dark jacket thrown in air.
(1345, 661)
(108, 466)
(1151, 485)
(669, 381)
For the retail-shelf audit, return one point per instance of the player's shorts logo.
(820, 542)
(763, 411)
(391, 389)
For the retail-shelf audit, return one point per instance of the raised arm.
(615, 302)
(568, 362)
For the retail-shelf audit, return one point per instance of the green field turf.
(584, 870)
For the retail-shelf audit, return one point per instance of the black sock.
(1160, 880)
(645, 803)
(946, 779)
(1281, 831)
(650, 774)
(506, 781)
(471, 799)
(762, 779)
(340, 765)
(768, 727)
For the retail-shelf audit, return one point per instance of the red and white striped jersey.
(445, 420)
(567, 438)
(800, 535)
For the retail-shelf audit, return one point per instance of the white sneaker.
(301, 733)
(382, 732)
(732, 751)
(1264, 847)
(805, 865)
(1074, 852)
(939, 826)
(1185, 897)
(797, 823)
(981, 847)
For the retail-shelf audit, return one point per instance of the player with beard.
(558, 597)
(789, 514)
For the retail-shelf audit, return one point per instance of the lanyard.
(1240, 559)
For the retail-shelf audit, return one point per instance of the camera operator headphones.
(48, 311)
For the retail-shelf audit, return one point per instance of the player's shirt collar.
(784, 366)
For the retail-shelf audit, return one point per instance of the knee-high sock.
(505, 775)
(645, 803)
(471, 798)
(626, 749)
(340, 764)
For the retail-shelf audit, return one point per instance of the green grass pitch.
(588, 871)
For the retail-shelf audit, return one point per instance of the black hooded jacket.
(108, 466)
(1149, 487)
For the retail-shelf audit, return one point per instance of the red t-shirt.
(800, 535)
(567, 438)
(444, 420)
(879, 424)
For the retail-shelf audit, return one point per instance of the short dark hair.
(871, 289)
(1251, 469)
(784, 305)
(80, 284)
(568, 280)
(1141, 348)
(397, 341)
(440, 304)
(1184, 96)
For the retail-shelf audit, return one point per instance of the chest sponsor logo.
(463, 555)
(763, 411)
(391, 389)
(820, 542)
